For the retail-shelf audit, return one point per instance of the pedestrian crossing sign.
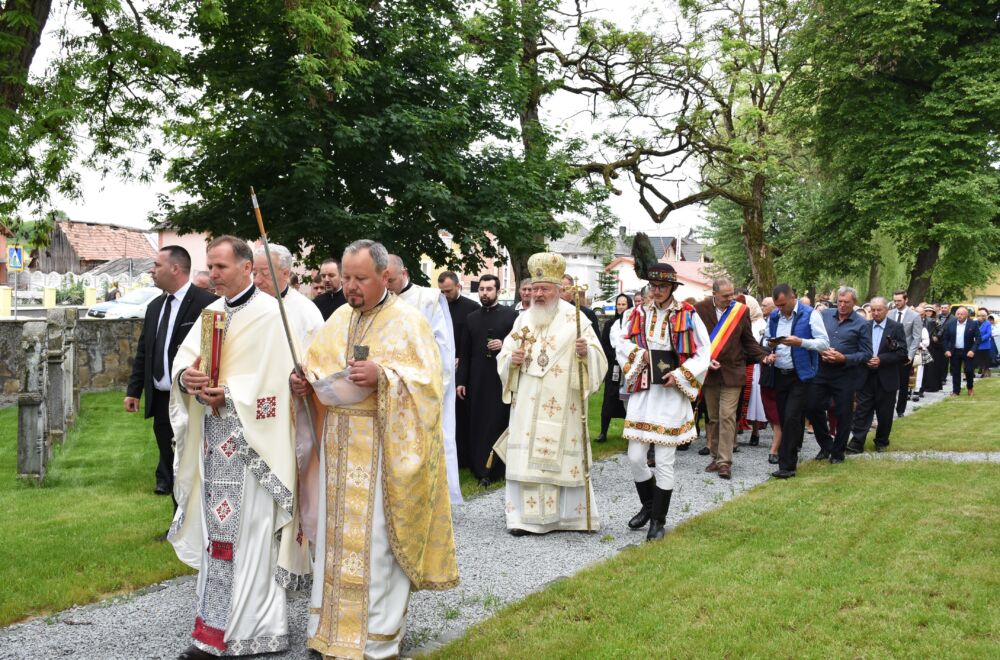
(15, 258)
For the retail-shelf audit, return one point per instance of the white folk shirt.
(662, 415)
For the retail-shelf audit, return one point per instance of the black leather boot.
(645, 490)
(661, 503)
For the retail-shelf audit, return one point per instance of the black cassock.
(460, 310)
(477, 371)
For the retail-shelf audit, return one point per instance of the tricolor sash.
(726, 325)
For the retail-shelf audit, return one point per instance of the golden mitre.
(547, 267)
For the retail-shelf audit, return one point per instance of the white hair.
(280, 255)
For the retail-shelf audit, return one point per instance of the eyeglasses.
(660, 287)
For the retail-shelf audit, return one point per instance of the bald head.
(399, 276)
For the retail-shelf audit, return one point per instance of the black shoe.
(836, 461)
(194, 653)
(783, 474)
(518, 532)
(645, 490)
(485, 482)
(684, 447)
(736, 448)
(164, 489)
(772, 459)
(754, 440)
(898, 415)
(822, 455)
(661, 503)
(601, 438)
(704, 451)
(854, 449)
(881, 448)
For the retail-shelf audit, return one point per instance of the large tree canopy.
(904, 103)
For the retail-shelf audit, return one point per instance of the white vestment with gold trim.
(434, 306)
(547, 437)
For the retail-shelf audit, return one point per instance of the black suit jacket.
(948, 338)
(141, 379)
(891, 352)
(329, 302)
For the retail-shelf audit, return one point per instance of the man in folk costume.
(304, 317)
(374, 493)
(732, 345)
(434, 306)
(665, 353)
(546, 449)
(235, 476)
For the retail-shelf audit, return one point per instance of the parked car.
(130, 306)
(604, 307)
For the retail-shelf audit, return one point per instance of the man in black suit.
(877, 393)
(333, 297)
(168, 320)
(960, 338)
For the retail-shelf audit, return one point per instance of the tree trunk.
(872, 281)
(15, 64)
(920, 274)
(532, 136)
(761, 260)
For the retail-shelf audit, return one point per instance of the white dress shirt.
(960, 336)
(163, 384)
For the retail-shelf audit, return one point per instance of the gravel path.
(495, 568)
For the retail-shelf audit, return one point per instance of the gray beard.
(540, 316)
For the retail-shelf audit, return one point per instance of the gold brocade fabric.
(403, 417)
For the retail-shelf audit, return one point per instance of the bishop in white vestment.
(547, 447)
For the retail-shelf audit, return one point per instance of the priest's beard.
(541, 314)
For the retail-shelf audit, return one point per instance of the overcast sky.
(111, 200)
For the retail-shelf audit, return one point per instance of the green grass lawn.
(91, 530)
(614, 445)
(960, 423)
(869, 559)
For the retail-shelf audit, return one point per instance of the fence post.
(32, 452)
(55, 356)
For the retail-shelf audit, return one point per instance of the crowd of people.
(315, 441)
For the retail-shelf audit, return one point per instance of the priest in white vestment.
(375, 499)
(304, 317)
(665, 354)
(547, 445)
(434, 306)
(235, 469)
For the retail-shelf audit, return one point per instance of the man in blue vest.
(796, 335)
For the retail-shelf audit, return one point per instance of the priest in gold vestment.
(544, 447)
(375, 493)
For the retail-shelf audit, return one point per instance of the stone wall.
(104, 352)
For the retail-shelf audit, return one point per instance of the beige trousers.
(721, 402)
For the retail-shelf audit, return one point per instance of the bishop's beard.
(541, 314)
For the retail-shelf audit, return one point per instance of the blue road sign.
(15, 258)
